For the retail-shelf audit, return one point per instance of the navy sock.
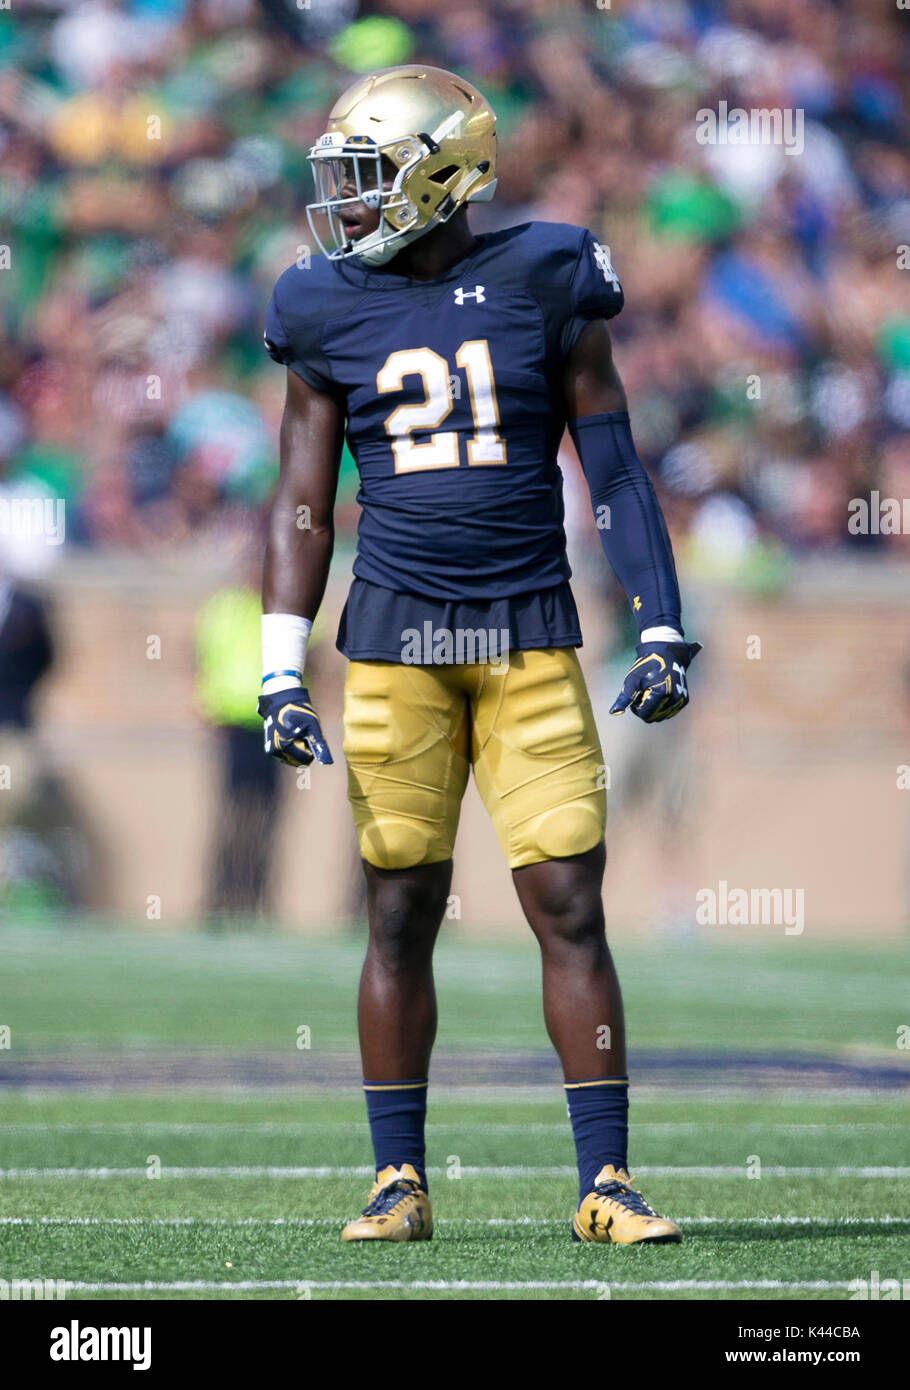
(599, 1111)
(397, 1111)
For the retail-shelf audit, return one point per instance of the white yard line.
(303, 1127)
(297, 1221)
(536, 1093)
(467, 1285)
(529, 1171)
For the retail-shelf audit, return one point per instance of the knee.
(397, 938)
(574, 921)
(405, 913)
(565, 907)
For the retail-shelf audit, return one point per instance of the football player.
(453, 364)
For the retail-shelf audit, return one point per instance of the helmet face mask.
(342, 166)
(434, 130)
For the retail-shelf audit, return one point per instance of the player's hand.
(292, 731)
(655, 688)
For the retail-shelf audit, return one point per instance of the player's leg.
(561, 899)
(396, 1007)
(406, 746)
(539, 768)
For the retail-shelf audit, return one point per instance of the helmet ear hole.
(444, 175)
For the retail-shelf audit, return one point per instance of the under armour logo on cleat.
(477, 293)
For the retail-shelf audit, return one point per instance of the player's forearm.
(294, 578)
(630, 522)
(297, 560)
(301, 532)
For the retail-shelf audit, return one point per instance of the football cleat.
(433, 129)
(398, 1209)
(616, 1214)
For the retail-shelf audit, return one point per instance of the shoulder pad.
(563, 262)
(596, 291)
(305, 296)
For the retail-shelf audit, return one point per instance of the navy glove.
(655, 688)
(292, 731)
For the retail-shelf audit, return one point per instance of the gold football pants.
(411, 733)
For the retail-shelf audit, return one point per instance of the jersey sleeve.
(293, 338)
(594, 290)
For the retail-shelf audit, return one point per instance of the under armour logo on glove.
(655, 688)
(292, 731)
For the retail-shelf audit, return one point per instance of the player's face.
(356, 217)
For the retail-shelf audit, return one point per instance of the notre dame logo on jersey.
(603, 263)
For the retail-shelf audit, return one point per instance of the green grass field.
(129, 1054)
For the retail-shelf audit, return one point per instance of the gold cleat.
(616, 1214)
(398, 1209)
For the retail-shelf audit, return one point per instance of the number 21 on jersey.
(485, 446)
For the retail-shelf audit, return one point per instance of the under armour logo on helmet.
(476, 293)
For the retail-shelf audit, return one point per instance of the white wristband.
(661, 634)
(284, 643)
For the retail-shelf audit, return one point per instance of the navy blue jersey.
(376, 621)
(452, 391)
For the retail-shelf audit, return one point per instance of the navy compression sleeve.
(632, 529)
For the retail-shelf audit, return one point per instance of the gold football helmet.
(433, 127)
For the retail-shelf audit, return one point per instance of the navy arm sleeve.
(631, 524)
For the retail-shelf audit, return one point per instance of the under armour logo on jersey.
(476, 293)
(603, 262)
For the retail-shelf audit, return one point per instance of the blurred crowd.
(154, 181)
